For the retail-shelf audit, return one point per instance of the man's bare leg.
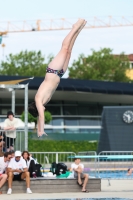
(86, 177)
(58, 62)
(26, 175)
(10, 178)
(3, 179)
(79, 170)
(79, 178)
(71, 46)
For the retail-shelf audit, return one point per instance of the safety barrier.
(46, 158)
(17, 144)
(115, 167)
(105, 165)
(92, 167)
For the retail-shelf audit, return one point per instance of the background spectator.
(10, 125)
(30, 163)
(12, 153)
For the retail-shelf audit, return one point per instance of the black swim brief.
(60, 73)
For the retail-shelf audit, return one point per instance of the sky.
(119, 39)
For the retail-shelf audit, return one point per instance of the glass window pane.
(54, 110)
(89, 122)
(57, 122)
(71, 131)
(48, 131)
(83, 122)
(90, 131)
(70, 110)
(5, 101)
(88, 110)
(19, 110)
(71, 122)
(84, 131)
(2, 119)
(4, 109)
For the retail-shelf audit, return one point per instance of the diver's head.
(33, 109)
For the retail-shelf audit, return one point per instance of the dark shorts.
(59, 73)
(76, 175)
(17, 177)
(10, 142)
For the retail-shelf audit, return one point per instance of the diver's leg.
(58, 62)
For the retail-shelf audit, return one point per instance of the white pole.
(13, 101)
(26, 117)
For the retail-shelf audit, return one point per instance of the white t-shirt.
(8, 123)
(13, 164)
(3, 165)
(75, 166)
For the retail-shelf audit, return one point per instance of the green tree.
(26, 63)
(101, 65)
(48, 117)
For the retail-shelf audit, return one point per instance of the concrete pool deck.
(119, 189)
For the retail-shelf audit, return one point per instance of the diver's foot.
(78, 24)
(44, 134)
(41, 134)
(82, 26)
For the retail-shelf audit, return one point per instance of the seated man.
(3, 165)
(77, 169)
(17, 170)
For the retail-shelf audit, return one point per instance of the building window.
(71, 122)
(57, 122)
(72, 131)
(90, 122)
(54, 110)
(87, 110)
(69, 110)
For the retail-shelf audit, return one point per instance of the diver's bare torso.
(47, 88)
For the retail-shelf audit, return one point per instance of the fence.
(92, 168)
(46, 158)
(117, 166)
(99, 165)
(17, 144)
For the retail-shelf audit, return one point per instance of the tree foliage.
(48, 117)
(26, 63)
(101, 65)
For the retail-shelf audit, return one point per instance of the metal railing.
(46, 158)
(115, 168)
(17, 144)
(95, 166)
(90, 163)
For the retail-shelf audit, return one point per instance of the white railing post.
(13, 101)
(26, 117)
(57, 157)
